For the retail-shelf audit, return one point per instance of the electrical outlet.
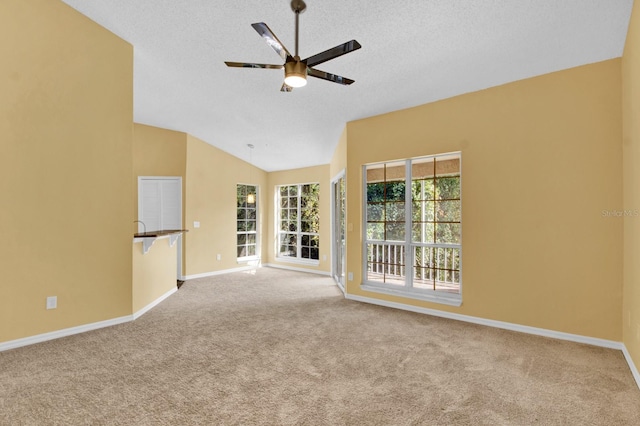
(218, 256)
(324, 257)
(196, 224)
(350, 276)
(52, 302)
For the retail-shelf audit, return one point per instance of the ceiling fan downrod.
(298, 6)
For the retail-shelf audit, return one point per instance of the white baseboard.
(492, 323)
(632, 366)
(612, 344)
(39, 338)
(151, 305)
(293, 268)
(212, 273)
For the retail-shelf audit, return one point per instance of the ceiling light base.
(298, 6)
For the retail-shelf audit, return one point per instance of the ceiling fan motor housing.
(295, 68)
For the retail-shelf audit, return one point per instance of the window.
(247, 221)
(414, 227)
(298, 222)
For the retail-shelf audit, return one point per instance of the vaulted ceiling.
(413, 52)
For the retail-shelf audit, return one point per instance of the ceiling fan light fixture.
(295, 74)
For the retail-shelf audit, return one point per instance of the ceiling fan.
(295, 69)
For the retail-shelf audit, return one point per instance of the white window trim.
(407, 291)
(334, 251)
(298, 261)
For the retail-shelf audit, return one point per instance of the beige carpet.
(280, 347)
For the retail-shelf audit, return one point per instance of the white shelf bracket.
(147, 243)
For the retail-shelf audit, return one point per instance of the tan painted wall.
(541, 160)
(339, 158)
(631, 155)
(65, 169)
(318, 174)
(158, 152)
(212, 176)
(154, 273)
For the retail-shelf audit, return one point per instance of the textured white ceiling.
(413, 52)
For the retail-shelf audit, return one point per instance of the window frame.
(299, 233)
(245, 232)
(407, 289)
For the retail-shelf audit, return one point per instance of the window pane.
(422, 190)
(375, 231)
(242, 239)
(315, 241)
(394, 191)
(448, 233)
(251, 214)
(305, 240)
(448, 211)
(423, 211)
(251, 238)
(447, 188)
(241, 251)
(242, 213)
(395, 211)
(251, 250)
(251, 225)
(293, 190)
(304, 252)
(375, 192)
(394, 231)
(422, 168)
(422, 232)
(375, 212)
(314, 253)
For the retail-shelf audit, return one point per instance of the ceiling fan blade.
(286, 88)
(268, 36)
(328, 76)
(250, 65)
(332, 53)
